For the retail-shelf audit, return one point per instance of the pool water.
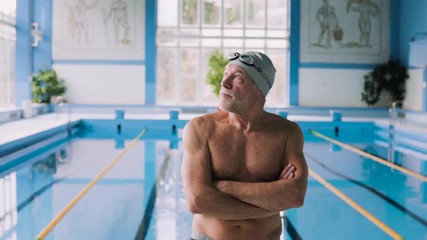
(141, 196)
(396, 199)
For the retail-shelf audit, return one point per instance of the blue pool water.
(396, 199)
(141, 196)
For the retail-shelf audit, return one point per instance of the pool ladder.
(60, 104)
(394, 114)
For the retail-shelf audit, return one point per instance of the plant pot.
(57, 99)
(54, 99)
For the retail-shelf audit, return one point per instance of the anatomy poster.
(345, 31)
(98, 29)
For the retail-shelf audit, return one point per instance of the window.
(7, 52)
(8, 204)
(189, 31)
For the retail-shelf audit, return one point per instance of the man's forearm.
(212, 202)
(271, 196)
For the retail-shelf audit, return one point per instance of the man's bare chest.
(247, 158)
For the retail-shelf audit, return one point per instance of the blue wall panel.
(23, 51)
(413, 25)
(413, 20)
(150, 51)
(294, 53)
(42, 54)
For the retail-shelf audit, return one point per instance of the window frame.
(177, 35)
(7, 59)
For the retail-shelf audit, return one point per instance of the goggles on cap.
(250, 61)
(246, 59)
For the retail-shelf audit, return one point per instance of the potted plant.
(46, 85)
(390, 77)
(217, 62)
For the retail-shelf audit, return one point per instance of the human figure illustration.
(328, 21)
(366, 9)
(119, 13)
(79, 28)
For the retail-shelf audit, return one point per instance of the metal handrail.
(61, 103)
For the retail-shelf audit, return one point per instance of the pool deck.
(14, 130)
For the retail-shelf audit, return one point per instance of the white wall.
(332, 87)
(343, 88)
(103, 84)
(414, 90)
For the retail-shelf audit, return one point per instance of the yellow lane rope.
(356, 206)
(370, 156)
(77, 198)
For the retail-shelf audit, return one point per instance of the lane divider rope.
(77, 198)
(356, 206)
(370, 156)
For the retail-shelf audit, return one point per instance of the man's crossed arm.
(284, 193)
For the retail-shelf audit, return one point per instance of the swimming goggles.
(244, 58)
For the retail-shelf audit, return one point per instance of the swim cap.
(258, 66)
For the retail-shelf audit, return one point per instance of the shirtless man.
(241, 164)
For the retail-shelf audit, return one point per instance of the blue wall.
(150, 51)
(413, 19)
(29, 59)
(23, 51)
(42, 55)
(294, 53)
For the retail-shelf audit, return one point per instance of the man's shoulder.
(282, 123)
(211, 117)
(208, 119)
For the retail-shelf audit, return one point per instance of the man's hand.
(288, 172)
(219, 185)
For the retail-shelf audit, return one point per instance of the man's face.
(237, 89)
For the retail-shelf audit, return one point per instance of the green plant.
(45, 84)
(217, 62)
(390, 77)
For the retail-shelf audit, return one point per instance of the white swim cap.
(258, 66)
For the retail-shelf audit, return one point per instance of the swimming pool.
(141, 196)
